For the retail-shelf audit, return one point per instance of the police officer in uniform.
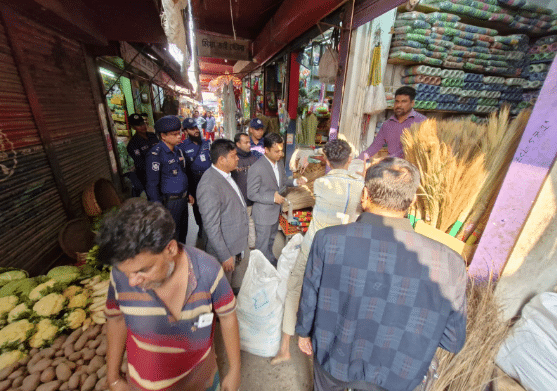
(167, 181)
(196, 150)
(137, 148)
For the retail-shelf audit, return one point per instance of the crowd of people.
(370, 299)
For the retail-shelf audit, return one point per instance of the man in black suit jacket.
(222, 207)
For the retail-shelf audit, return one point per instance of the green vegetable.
(12, 275)
(45, 288)
(64, 274)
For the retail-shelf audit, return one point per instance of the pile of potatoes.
(72, 363)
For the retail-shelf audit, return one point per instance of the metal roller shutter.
(51, 142)
(59, 72)
(31, 210)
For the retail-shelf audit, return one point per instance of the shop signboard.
(209, 45)
(142, 63)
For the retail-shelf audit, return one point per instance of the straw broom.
(473, 367)
(499, 147)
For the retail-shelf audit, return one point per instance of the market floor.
(257, 372)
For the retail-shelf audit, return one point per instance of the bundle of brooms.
(473, 368)
(462, 166)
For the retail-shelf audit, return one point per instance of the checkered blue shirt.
(378, 299)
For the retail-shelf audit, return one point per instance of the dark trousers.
(178, 207)
(264, 239)
(137, 186)
(194, 179)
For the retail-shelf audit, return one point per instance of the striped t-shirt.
(162, 352)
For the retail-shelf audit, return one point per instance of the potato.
(68, 351)
(80, 361)
(4, 373)
(104, 328)
(96, 363)
(18, 381)
(58, 342)
(41, 365)
(71, 365)
(24, 361)
(80, 343)
(59, 353)
(16, 373)
(64, 387)
(88, 354)
(93, 344)
(72, 338)
(31, 382)
(48, 375)
(4, 385)
(34, 359)
(63, 372)
(102, 384)
(89, 383)
(48, 353)
(75, 356)
(50, 386)
(101, 350)
(73, 382)
(82, 378)
(58, 360)
(102, 371)
(33, 352)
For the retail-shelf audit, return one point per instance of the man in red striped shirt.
(161, 304)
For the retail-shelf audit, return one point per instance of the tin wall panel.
(31, 211)
(61, 81)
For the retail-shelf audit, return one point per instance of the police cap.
(189, 123)
(135, 120)
(256, 123)
(169, 123)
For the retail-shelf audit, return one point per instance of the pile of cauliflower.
(34, 311)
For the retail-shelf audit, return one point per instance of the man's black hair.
(406, 90)
(221, 147)
(392, 183)
(337, 152)
(271, 139)
(238, 137)
(136, 227)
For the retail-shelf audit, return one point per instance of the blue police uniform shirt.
(166, 174)
(198, 163)
(137, 148)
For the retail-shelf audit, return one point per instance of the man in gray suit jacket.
(266, 181)
(223, 209)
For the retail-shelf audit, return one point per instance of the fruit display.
(52, 334)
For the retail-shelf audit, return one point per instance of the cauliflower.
(9, 358)
(46, 332)
(72, 290)
(49, 305)
(79, 301)
(42, 289)
(15, 333)
(18, 312)
(75, 318)
(7, 304)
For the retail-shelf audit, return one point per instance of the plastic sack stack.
(261, 300)
(517, 14)
(439, 39)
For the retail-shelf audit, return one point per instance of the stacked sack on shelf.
(456, 90)
(439, 39)
(516, 14)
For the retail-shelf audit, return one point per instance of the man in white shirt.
(223, 208)
(266, 182)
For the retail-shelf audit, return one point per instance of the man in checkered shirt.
(378, 298)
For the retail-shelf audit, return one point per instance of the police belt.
(171, 197)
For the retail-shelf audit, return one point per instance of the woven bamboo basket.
(98, 197)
